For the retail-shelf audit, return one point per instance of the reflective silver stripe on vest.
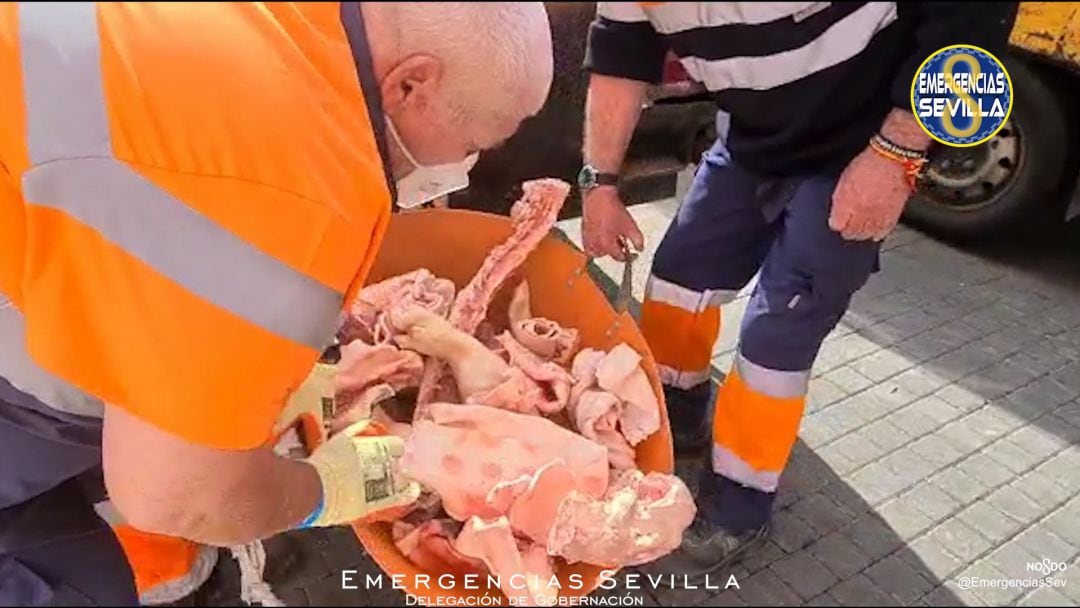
(74, 172)
(25, 375)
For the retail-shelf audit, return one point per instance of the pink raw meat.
(481, 376)
(544, 337)
(430, 546)
(362, 365)
(552, 389)
(464, 451)
(532, 217)
(354, 406)
(525, 572)
(620, 373)
(635, 407)
(584, 371)
(640, 519)
(367, 316)
(595, 414)
(517, 393)
(533, 501)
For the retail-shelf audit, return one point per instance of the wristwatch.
(589, 177)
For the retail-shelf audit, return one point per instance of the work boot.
(688, 412)
(707, 549)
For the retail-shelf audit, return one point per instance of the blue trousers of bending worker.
(54, 548)
(731, 226)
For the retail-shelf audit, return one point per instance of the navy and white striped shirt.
(806, 83)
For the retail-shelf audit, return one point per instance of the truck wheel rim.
(966, 179)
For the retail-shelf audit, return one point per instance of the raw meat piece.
(527, 384)
(620, 373)
(524, 571)
(518, 393)
(464, 451)
(357, 406)
(641, 518)
(486, 334)
(584, 371)
(362, 365)
(533, 501)
(475, 368)
(430, 546)
(595, 415)
(553, 390)
(367, 317)
(532, 216)
(542, 336)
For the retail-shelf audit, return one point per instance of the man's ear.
(411, 84)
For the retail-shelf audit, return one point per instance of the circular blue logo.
(961, 95)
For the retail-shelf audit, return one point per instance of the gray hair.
(493, 53)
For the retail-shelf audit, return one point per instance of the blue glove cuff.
(310, 519)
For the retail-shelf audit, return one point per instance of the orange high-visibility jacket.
(188, 195)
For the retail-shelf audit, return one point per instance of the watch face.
(586, 177)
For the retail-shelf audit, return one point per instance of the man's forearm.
(901, 128)
(612, 110)
(162, 483)
(277, 495)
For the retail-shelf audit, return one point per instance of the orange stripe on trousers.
(759, 429)
(678, 338)
(156, 559)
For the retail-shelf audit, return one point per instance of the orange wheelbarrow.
(452, 244)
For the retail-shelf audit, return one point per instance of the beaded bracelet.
(912, 160)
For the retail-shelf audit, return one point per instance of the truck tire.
(1016, 180)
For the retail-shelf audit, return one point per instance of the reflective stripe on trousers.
(74, 171)
(756, 422)
(681, 326)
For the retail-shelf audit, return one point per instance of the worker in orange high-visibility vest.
(189, 197)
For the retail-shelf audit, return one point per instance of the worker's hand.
(306, 404)
(360, 476)
(605, 220)
(869, 197)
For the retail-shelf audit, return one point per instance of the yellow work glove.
(359, 477)
(310, 405)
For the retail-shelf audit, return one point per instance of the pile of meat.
(523, 440)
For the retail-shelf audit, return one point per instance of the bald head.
(475, 68)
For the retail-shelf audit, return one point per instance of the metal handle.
(622, 300)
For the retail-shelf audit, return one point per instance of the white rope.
(251, 558)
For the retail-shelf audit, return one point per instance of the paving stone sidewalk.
(941, 444)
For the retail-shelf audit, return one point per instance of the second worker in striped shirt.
(794, 193)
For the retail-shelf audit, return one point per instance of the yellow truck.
(1029, 172)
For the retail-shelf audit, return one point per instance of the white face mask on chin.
(429, 182)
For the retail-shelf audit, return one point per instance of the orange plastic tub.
(452, 244)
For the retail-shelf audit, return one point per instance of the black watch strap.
(607, 179)
(590, 178)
